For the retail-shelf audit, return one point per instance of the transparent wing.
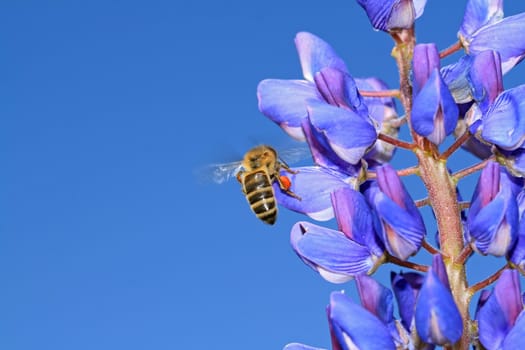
(294, 154)
(218, 173)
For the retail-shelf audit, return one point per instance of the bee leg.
(284, 184)
(286, 168)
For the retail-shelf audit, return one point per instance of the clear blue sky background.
(107, 241)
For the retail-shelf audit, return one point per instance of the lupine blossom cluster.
(352, 125)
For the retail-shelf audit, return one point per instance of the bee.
(258, 170)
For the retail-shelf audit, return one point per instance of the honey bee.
(256, 173)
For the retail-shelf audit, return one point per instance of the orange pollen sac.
(285, 181)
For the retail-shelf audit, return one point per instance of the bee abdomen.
(260, 196)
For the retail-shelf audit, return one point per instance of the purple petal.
(313, 185)
(324, 156)
(480, 13)
(516, 337)
(284, 102)
(399, 222)
(498, 314)
(439, 269)
(406, 288)
(438, 320)
(376, 298)
(493, 216)
(356, 328)
(335, 257)
(426, 59)
(486, 78)
(506, 37)
(504, 122)
(392, 14)
(339, 89)
(316, 54)
(434, 112)
(354, 218)
(332, 123)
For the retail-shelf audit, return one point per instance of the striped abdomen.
(259, 193)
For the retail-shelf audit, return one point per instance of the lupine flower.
(438, 320)
(399, 222)
(285, 101)
(353, 327)
(392, 14)
(434, 111)
(339, 256)
(501, 323)
(493, 215)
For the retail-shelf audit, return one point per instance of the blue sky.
(107, 240)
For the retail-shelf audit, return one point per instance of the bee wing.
(220, 172)
(294, 154)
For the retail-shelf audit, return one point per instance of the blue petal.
(434, 112)
(297, 346)
(354, 218)
(504, 122)
(316, 54)
(284, 102)
(492, 236)
(356, 328)
(516, 337)
(392, 14)
(401, 233)
(334, 256)
(313, 185)
(499, 312)
(425, 60)
(339, 89)
(506, 37)
(324, 156)
(486, 78)
(333, 124)
(480, 13)
(406, 288)
(399, 221)
(438, 320)
(376, 298)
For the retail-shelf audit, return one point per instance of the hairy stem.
(407, 264)
(451, 49)
(395, 142)
(441, 190)
(488, 281)
(384, 93)
(470, 170)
